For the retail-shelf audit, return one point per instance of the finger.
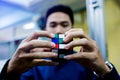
(76, 34)
(47, 49)
(40, 50)
(38, 55)
(42, 62)
(81, 49)
(73, 30)
(37, 34)
(37, 50)
(80, 42)
(80, 55)
(36, 44)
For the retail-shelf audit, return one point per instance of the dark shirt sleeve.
(113, 75)
(11, 76)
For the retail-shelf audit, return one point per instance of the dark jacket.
(69, 70)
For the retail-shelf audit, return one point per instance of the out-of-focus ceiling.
(42, 5)
(16, 12)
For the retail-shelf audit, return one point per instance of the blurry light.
(29, 25)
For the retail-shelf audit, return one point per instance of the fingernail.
(47, 49)
(65, 39)
(66, 47)
(65, 33)
(56, 63)
(55, 54)
(53, 44)
(67, 57)
(52, 34)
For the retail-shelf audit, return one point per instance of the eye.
(64, 24)
(53, 24)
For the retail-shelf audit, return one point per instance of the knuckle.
(85, 40)
(42, 60)
(82, 32)
(82, 56)
(36, 50)
(71, 29)
(49, 55)
(20, 57)
(73, 43)
(31, 43)
(21, 47)
(70, 35)
(80, 29)
(47, 43)
(35, 33)
(47, 32)
(95, 57)
(94, 43)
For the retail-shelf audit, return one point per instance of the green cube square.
(61, 40)
(61, 56)
(56, 36)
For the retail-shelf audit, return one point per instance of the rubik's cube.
(59, 47)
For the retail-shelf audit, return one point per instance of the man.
(29, 63)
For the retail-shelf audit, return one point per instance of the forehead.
(58, 16)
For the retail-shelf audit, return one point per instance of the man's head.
(59, 19)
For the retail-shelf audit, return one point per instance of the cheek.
(67, 28)
(52, 30)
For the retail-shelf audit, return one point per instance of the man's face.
(58, 22)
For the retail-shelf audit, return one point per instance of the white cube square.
(61, 36)
(61, 46)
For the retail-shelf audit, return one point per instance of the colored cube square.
(61, 40)
(56, 46)
(59, 47)
(62, 51)
(56, 36)
(61, 56)
(55, 40)
(55, 50)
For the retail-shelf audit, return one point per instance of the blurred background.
(100, 19)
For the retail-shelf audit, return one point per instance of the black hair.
(58, 8)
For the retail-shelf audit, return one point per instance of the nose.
(59, 30)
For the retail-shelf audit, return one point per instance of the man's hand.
(89, 54)
(32, 52)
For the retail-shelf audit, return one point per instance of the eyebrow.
(58, 22)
